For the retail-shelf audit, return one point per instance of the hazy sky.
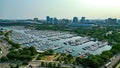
(20, 9)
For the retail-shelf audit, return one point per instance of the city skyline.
(28, 9)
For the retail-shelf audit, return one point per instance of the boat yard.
(60, 42)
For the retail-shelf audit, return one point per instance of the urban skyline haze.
(25, 9)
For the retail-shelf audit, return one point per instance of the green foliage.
(4, 58)
(25, 62)
(42, 64)
(17, 66)
(30, 50)
(95, 61)
(0, 49)
(40, 56)
(24, 55)
(79, 60)
(50, 64)
(49, 52)
(50, 27)
(59, 65)
(114, 37)
(1, 32)
(115, 48)
(14, 45)
(68, 59)
(94, 32)
(54, 64)
(46, 53)
(74, 67)
(11, 66)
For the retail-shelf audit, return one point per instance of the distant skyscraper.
(64, 21)
(118, 21)
(55, 20)
(82, 19)
(48, 19)
(111, 21)
(75, 20)
(87, 21)
(51, 20)
(36, 19)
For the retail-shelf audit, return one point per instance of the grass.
(48, 58)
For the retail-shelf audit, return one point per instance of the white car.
(0, 52)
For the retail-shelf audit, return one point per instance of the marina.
(60, 42)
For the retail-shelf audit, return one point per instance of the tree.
(54, 64)
(70, 56)
(59, 65)
(50, 64)
(33, 50)
(0, 49)
(17, 66)
(49, 52)
(25, 62)
(79, 60)
(42, 63)
(74, 66)
(11, 66)
(4, 58)
(108, 53)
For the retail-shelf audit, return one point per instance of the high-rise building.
(55, 20)
(75, 20)
(64, 21)
(111, 21)
(51, 20)
(48, 19)
(36, 19)
(118, 21)
(82, 20)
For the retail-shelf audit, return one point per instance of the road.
(118, 66)
(113, 61)
(4, 49)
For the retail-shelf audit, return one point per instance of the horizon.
(63, 18)
(29, 9)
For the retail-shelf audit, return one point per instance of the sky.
(28, 9)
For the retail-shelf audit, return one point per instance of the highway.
(114, 61)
